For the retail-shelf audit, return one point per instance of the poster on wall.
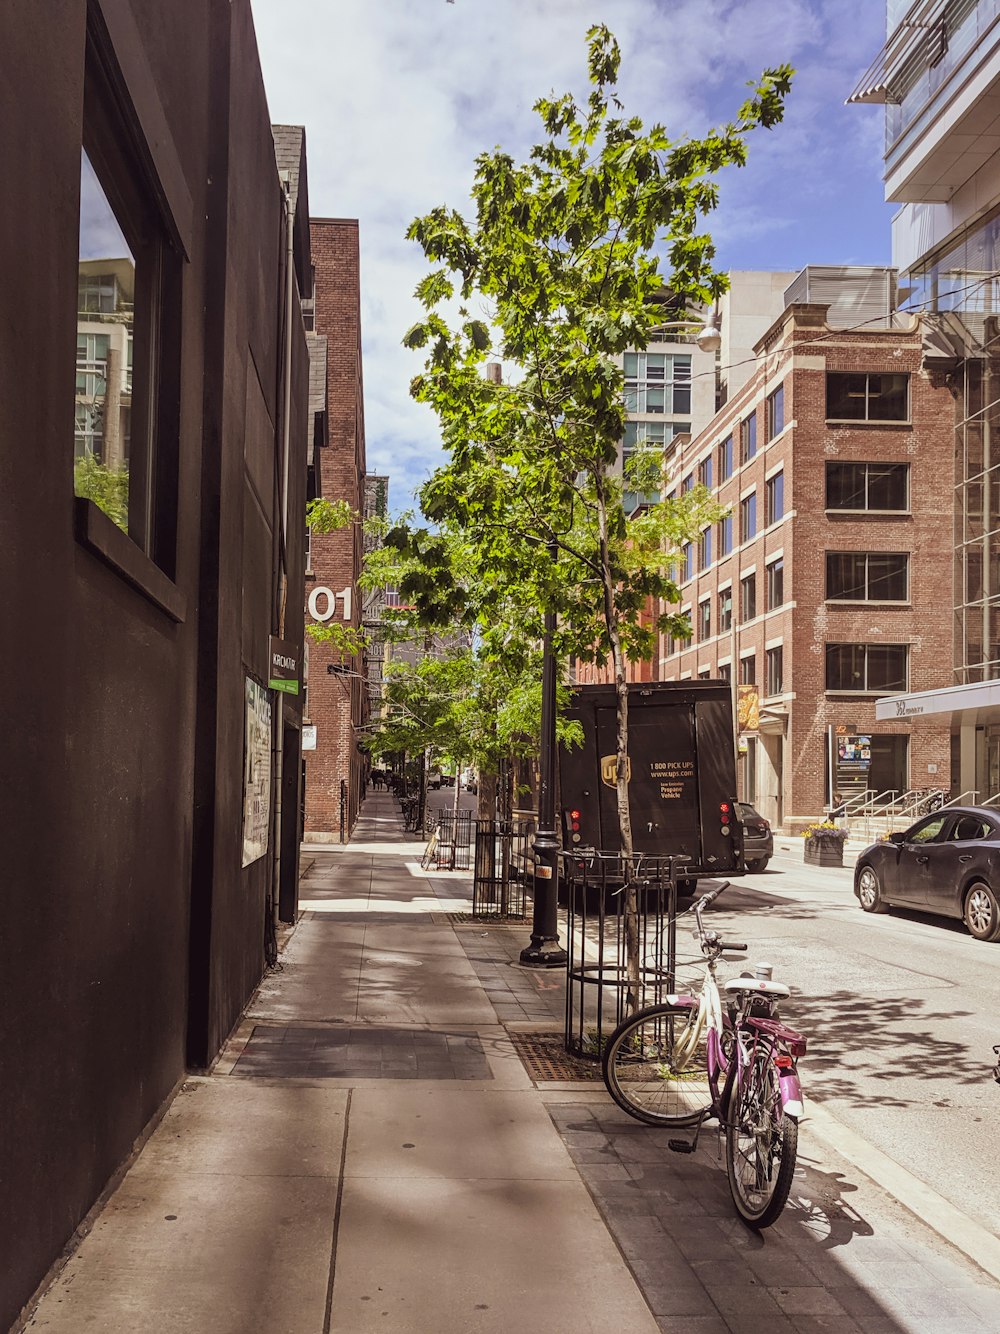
(256, 772)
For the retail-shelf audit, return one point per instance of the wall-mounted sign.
(308, 736)
(322, 603)
(283, 673)
(747, 708)
(256, 772)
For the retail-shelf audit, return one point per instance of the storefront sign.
(283, 673)
(256, 772)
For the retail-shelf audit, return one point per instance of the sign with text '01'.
(283, 671)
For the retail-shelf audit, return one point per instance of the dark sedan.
(947, 863)
(758, 841)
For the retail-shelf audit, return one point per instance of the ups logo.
(609, 770)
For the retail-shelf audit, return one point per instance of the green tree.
(558, 273)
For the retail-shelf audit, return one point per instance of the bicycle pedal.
(681, 1145)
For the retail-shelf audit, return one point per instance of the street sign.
(283, 672)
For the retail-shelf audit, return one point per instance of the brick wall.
(337, 696)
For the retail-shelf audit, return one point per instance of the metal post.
(544, 950)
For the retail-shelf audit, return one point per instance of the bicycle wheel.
(655, 1067)
(761, 1145)
(430, 852)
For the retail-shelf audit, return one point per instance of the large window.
(748, 438)
(748, 597)
(775, 412)
(748, 517)
(726, 459)
(868, 486)
(867, 668)
(774, 499)
(127, 364)
(705, 549)
(687, 570)
(867, 576)
(725, 536)
(657, 382)
(705, 472)
(775, 584)
(867, 397)
(725, 610)
(774, 681)
(704, 619)
(647, 435)
(748, 670)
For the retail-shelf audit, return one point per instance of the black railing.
(599, 992)
(503, 868)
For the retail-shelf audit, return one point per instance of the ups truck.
(682, 783)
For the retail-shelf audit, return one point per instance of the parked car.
(434, 778)
(758, 841)
(947, 863)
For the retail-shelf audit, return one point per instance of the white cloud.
(399, 96)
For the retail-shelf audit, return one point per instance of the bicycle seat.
(736, 984)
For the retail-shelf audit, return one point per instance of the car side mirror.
(897, 839)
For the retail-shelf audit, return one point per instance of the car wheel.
(758, 864)
(982, 912)
(870, 891)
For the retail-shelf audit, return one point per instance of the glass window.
(688, 552)
(865, 396)
(748, 597)
(687, 484)
(127, 364)
(748, 670)
(775, 413)
(725, 536)
(725, 672)
(775, 584)
(867, 668)
(773, 666)
(748, 438)
(705, 549)
(774, 500)
(657, 382)
(748, 517)
(725, 610)
(704, 619)
(867, 486)
(928, 831)
(726, 459)
(867, 576)
(705, 472)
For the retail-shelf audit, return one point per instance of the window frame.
(867, 464)
(748, 438)
(774, 573)
(748, 505)
(748, 582)
(774, 413)
(867, 688)
(869, 375)
(865, 556)
(774, 485)
(774, 680)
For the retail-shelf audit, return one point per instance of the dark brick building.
(337, 700)
(150, 551)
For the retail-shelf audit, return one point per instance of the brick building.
(828, 585)
(337, 695)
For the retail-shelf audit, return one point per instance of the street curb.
(939, 1214)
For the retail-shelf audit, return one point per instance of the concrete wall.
(132, 939)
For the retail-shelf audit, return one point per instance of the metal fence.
(455, 836)
(504, 865)
(597, 981)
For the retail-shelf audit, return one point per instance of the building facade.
(153, 442)
(938, 76)
(824, 588)
(337, 696)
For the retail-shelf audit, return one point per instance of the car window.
(970, 827)
(927, 831)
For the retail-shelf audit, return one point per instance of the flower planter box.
(823, 852)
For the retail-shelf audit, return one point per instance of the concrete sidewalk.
(371, 1153)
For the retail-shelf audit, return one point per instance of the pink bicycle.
(687, 1060)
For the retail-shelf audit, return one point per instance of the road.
(901, 1013)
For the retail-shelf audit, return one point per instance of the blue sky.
(398, 97)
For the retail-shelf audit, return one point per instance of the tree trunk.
(487, 807)
(631, 902)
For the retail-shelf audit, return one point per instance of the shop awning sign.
(284, 670)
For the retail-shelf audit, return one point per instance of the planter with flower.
(823, 844)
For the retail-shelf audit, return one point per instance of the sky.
(399, 96)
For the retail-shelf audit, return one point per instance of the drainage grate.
(468, 919)
(545, 1058)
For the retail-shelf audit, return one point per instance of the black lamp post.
(544, 950)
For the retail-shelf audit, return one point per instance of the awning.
(909, 49)
(950, 699)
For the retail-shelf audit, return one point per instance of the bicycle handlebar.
(732, 945)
